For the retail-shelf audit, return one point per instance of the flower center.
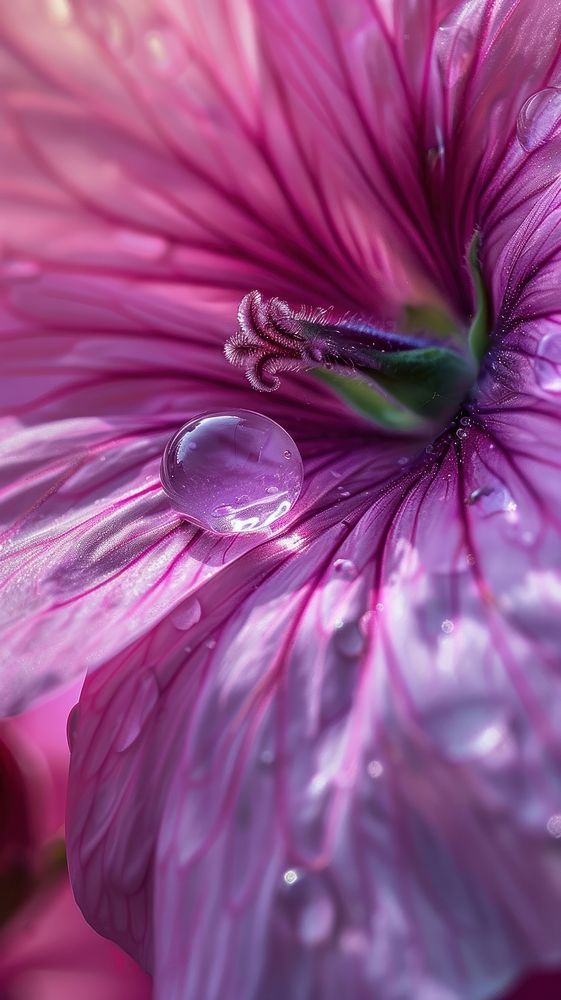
(411, 381)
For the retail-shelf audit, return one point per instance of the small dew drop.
(465, 421)
(403, 460)
(553, 826)
(288, 454)
(375, 769)
(447, 626)
(343, 492)
(539, 118)
(461, 432)
(210, 643)
(379, 606)
(271, 490)
(290, 876)
(186, 615)
(345, 568)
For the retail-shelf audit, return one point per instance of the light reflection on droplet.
(375, 769)
(447, 626)
(290, 876)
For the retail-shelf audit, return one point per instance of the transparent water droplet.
(375, 769)
(553, 826)
(548, 362)
(287, 454)
(290, 876)
(343, 492)
(210, 643)
(403, 460)
(447, 626)
(71, 726)
(316, 921)
(345, 568)
(143, 699)
(539, 118)
(186, 615)
(238, 453)
(379, 606)
(461, 432)
(465, 421)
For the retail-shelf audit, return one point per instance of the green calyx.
(418, 390)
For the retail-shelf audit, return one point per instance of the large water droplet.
(548, 362)
(224, 483)
(539, 118)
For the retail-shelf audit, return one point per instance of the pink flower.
(324, 760)
(47, 951)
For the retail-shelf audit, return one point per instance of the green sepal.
(478, 336)
(410, 391)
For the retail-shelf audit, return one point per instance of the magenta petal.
(348, 800)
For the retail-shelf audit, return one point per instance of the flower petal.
(356, 739)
